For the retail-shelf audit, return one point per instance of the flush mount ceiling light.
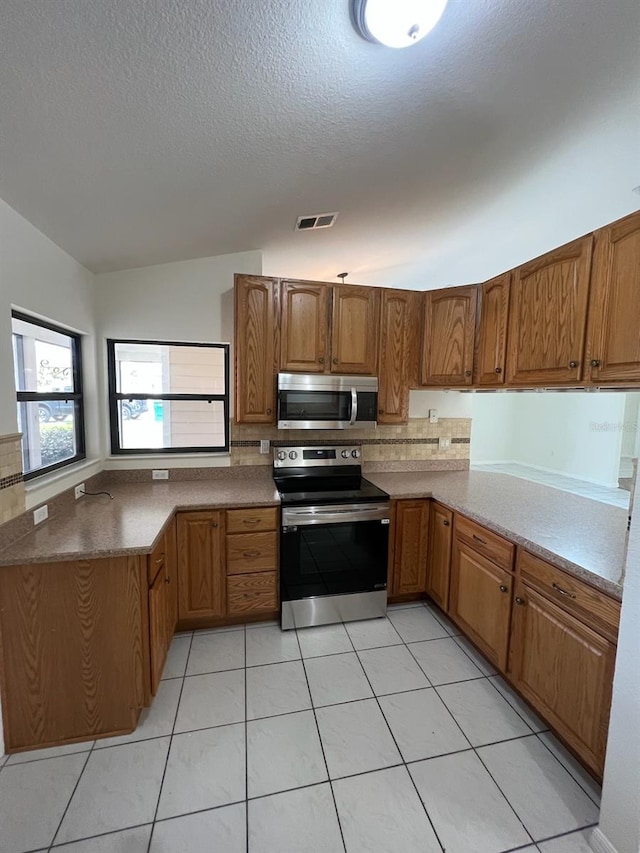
(396, 23)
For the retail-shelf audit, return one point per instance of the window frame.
(77, 396)
(116, 396)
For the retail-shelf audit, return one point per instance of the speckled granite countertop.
(133, 520)
(582, 536)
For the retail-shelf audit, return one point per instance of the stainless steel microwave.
(320, 401)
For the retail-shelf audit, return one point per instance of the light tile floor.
(613, 496)
(387, 735)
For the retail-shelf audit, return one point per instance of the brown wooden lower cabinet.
(480, 601)
(565, 669)
(409, 547)
(201, 572)
(439, 560)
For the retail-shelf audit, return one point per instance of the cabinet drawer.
(252, 520)
(594, 607)
(252, 593)
(251, 552)
(498, 550)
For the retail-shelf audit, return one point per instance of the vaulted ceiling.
(135, 132)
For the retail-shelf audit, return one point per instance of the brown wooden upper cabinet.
(256, 348)
(548, 316)
(448, 336)
(354, 339)
(491, 332)
(305, 327)
(613, 353)
(398, 354)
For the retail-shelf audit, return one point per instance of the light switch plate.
(265, 444)
(41, 514)
(160, 474)
(433, 416)
(444, 442)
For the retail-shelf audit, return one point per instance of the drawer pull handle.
(251, 521)
(251, 553)
(160, 560)
(478, 539)
(563, 591)
(504, 588)
(520, 601)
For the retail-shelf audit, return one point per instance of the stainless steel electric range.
(334, 537)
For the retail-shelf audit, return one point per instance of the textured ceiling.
(141, 131)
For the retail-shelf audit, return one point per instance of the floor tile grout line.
(404, 763)
(75, 788)
(324, 757)
(577, 781)
(171, 736)
(565, 834)
(59, 846)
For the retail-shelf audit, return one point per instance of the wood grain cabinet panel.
(305, 326)
(249, 594)
(410, 547)
(547, 316)
(201, 569)
(256, 348)
(613, 353)
(398, 354)
(565, 669)
(252, 520)
(491, 332)
(448, 336)
(496, 548)
(354, 339)
(439, 559)
(159, 638)
(252, 552)
(74, 646)
(480, 601)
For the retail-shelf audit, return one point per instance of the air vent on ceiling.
(315, 221)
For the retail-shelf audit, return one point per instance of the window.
(48, 374)
(168, 397)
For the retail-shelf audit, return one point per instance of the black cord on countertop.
(94, 494)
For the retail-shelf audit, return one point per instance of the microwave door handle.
(354, 406)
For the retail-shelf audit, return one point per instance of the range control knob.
(281, 455)
(293, 454)
(355, 454)
(345, 454)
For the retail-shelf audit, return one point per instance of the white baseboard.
(600, 843)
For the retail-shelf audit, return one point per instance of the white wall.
(450, 404)
(576, 433)
(620, 811)
(182, 301)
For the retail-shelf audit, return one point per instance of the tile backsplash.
(415, 442)
(11, 479)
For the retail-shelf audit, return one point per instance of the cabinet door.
(397, 354)
(410, 547)
(201, 573)
(614, 312)
(171, 568)
(439, 561)
(480, 601)
(305, 323)
(448, 336)
(565, 670)
(158, 644)
(354, 342)
(548, 315)
(491, 336)
(256, 349)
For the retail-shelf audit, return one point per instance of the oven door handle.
(354, 406)
(335, 515)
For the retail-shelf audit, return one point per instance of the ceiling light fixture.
(396, 23)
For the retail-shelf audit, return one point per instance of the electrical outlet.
(79, 491)
(41, 514)
(265, 444)
(444, 442)
(160, 474)
(433, 416)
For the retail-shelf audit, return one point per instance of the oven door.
(333, 550)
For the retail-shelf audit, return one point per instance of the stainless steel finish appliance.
(320, 401)
(334, 537)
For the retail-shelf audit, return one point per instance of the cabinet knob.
(167, 580)
(573, 365)
(321, 360)
(446, 522)
(467, 373)
(519, 600)
(498, 370)
(335, 361)
(268, 411)
(381, 411)
(595, 362)
(504, 588)
(214, 523)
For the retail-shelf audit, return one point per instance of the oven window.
(315, 405)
